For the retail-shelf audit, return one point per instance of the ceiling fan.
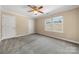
(35, 9)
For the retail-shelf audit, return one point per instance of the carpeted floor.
(37, 44)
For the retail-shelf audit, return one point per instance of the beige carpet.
(36, 44)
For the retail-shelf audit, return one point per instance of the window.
(55, 24)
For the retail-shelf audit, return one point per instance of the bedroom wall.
(22, 24)
(78, 24)
(0, 23)
(71, 26)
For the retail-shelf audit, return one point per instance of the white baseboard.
(46, 35)
(76, 42)
(23, 34)
(68, 40)
(19, 36)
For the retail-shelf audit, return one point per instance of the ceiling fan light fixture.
(35, 9)
(35, 12)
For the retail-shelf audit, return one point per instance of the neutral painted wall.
(0, 22)
(71, 25)
(22, 24)
(78, 24)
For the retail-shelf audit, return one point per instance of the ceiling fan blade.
(40, 7)
(32, 6)
(30, 10)
(41, 12)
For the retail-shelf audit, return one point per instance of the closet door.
(8, 26)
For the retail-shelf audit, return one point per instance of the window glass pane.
(54, 24)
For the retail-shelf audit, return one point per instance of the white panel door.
(8, 26)
(31, 26)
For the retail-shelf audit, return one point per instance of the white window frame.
(51, 22)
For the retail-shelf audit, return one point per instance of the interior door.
(8, 26)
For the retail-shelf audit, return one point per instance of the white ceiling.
(47, 9)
